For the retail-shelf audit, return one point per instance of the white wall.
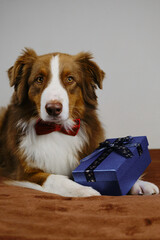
(124, 36)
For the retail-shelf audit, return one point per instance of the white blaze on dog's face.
(54, 99)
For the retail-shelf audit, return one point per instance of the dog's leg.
(51, 183)
(144, 188)
(59, 184)
(63, 186)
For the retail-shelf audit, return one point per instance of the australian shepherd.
(51, 122)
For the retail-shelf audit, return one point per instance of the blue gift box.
(114, 167)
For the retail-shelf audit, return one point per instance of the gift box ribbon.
(120, 146)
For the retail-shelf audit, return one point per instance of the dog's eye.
(70, 79)
(39, 80)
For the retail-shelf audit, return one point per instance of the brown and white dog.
(53, 88)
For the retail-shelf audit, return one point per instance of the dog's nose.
(54, 108)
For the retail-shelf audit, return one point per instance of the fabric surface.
(29, 214)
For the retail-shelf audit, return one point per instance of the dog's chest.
(53, 153)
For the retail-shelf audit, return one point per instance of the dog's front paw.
(83, 191)
(144, 188)
(63, 186)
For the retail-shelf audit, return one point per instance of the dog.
(51, 123)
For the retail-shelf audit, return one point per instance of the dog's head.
(60, 86)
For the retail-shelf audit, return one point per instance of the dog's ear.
(20, 72)
(92, 77)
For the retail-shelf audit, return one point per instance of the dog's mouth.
(52, 120)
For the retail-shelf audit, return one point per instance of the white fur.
(65, 187)
(55, 92)
(53, 153)
(144, 188)
(22, 125)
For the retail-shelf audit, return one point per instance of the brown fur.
(25, 76)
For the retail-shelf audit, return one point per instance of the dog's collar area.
(42, 127)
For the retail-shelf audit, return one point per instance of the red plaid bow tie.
(43, 127)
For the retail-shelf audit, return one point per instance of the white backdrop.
(124, 37)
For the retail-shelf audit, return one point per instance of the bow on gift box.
(120, 146)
